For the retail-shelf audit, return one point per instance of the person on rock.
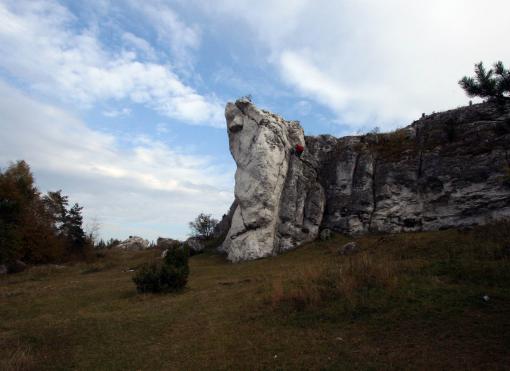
(298, 150)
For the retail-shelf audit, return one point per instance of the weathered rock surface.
(196, 245)
(279, 201)
(165, 243)
(134, 243)
(449, 169)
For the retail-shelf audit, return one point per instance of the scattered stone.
(486, 298)
(134, 243)
(166, 243)
(195, 244)
(349, 248)
(325, 234)
(3, 269)
(16, 266)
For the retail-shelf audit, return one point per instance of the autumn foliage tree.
(36, 228)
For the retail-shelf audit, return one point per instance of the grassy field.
(408, 301)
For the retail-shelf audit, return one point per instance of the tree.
(489, 84)
(56, 206)
(203, 226)
(26, 228)
(92, 231)
(73, 227)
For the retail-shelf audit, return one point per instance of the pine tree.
(489, 84)
(56, 205)
(73, 226)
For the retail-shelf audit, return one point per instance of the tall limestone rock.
(445, 170)
(279, 200)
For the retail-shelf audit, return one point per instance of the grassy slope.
(431, 316)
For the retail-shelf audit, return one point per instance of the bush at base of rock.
(167, 276)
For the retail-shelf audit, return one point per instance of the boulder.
(349, 248)
(3, 269)
(196, 245)
(16, 266)
(134, 243)
(165, 243)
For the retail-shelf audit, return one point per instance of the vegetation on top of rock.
(492, 83)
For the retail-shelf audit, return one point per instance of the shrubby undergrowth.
(168, 275)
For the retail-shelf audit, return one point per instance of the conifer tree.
(488, 84)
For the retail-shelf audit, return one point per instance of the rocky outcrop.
(445, 170)
(134, 243)
(196, 245)
(166, 243)
(279, 200)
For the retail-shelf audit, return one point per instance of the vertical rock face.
(279, 201)
(449, 169)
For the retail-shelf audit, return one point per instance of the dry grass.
(409, 301)
(349, 279)
(19, 359)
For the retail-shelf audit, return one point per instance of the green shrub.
(167, 276)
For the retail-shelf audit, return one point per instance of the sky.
(121, 103)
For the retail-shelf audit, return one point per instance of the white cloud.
(310, 81)
(117, 112)
(144, 187)
(140, 45)
(175, 34)
(41, 46)
(379, 62)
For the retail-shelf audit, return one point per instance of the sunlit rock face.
(449, 169)
(279, 201)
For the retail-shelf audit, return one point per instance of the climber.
(298, 150)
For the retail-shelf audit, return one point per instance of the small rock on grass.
(348, 249)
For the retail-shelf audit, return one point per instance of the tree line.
(34, 227)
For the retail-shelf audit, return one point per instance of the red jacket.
(299, 149)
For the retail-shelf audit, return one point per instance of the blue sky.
(120, 103)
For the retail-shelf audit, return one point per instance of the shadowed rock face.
(445, 170)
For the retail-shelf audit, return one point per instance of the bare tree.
(203, 226)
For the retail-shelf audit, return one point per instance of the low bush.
(167, 276)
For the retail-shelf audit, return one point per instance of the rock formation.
(445, 170)
(134, 243)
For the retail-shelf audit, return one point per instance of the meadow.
(430, 300)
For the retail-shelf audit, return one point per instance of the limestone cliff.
(445, 170)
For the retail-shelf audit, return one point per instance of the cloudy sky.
(120, 103)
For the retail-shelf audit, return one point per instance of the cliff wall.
(449, 169)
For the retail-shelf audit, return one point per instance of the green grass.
(409, 301)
